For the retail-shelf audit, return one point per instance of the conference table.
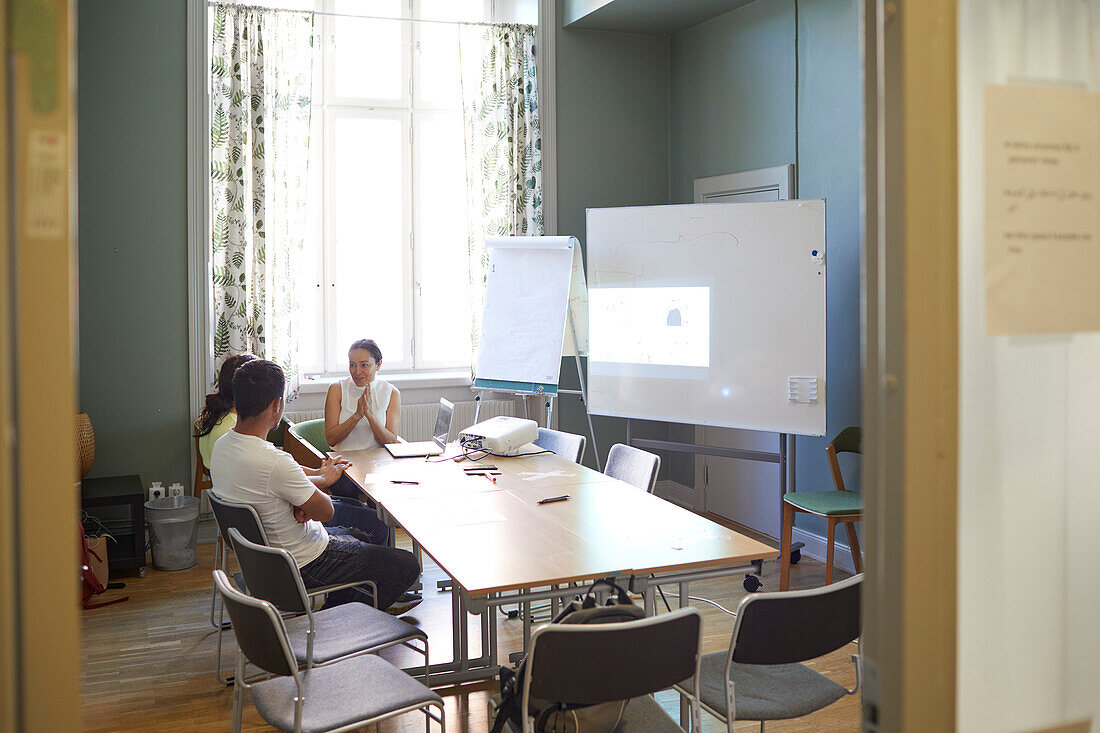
(501, 547)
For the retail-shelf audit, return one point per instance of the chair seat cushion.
(825, 502)
(340, 694)
(347, 629)
(641, 714)
(765, 691)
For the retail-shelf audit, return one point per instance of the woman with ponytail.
(218, 416)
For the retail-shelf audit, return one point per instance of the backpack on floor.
(558, 717)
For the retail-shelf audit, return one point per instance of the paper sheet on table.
(460, 511)
(1042, 210)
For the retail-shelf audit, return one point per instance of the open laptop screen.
(443, 422)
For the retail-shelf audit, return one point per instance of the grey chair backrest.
(634, 466)
(793, 626)
(243, 517)
(566, 445)
(592, 663)
(270, 574)
(260, 633)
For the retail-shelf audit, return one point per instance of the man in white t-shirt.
(246, 468)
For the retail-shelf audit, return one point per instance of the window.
(386, 253)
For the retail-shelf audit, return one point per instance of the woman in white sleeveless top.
(362, 411)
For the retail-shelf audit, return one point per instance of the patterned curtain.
(500, 107)
(260, 75)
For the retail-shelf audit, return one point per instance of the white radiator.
(418, 421)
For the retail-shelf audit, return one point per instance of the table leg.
(491, 621)
(456, 634)
(464, 634)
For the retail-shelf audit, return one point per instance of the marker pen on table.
(552, 499)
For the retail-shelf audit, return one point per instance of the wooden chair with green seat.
(838, 507)
(305, 442)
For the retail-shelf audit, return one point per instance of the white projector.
(501, 436)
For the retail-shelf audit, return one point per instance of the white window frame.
(200, 305)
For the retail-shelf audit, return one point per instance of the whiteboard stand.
(784, 457)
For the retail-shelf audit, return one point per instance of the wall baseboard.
(684, 496)
(815, 548)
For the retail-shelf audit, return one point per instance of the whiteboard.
(526, 301)
(709, 314)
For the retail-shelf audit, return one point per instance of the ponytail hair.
(220, 402)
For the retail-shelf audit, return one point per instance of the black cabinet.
(119, 503)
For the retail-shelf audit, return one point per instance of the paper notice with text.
(1042, 211)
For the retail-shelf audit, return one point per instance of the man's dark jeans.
(355, 514)
(349, 557)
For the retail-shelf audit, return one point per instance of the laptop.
(433, 447)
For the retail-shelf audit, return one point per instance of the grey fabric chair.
(320, 637)
(634, 466)
(228, 515)
(566, 445)
(774, 632)
(348, 694)
(595, 663)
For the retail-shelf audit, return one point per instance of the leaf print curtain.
(260, 75)
(500, 110)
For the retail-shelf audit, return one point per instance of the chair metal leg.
(214, 588)
(238, 694)
(218, 650)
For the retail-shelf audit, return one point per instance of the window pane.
(311, 332)
(442, 265)
(469, 10)
(366, 213)
(368, 52)
(437, 80)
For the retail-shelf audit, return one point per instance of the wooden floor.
(147, 664)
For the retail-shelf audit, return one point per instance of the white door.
(746, 492)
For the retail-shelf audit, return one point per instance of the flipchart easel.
(535, 312)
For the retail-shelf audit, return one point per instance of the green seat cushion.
(313, 432)
(825, 502)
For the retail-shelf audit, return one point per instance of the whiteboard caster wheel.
(751, 583)
(141, 572)
(796, 556)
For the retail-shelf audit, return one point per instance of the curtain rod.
(368, 17)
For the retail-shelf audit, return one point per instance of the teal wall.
(732, 95)
(732, 108)
(612, 116)
(131, 124)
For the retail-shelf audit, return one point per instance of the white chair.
(634, 466)
(566, 445)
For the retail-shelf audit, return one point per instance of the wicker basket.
(85, 443)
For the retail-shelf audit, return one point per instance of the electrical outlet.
(175, 490)
(157, 491)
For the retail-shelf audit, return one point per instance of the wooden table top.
(492, 537)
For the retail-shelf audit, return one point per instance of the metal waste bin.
(174, 529)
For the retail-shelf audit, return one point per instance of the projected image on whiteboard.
(654, 332)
